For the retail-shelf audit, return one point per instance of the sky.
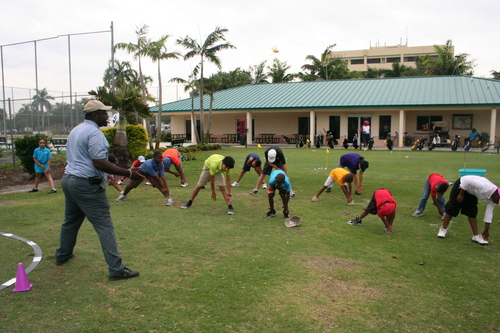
(296, 28)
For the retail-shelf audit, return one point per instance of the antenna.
(406, 35)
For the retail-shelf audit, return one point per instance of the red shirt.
(173, 154)
(434, 179)
(382, 196)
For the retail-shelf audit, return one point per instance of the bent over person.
(85, 191)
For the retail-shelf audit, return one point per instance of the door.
(353, 127)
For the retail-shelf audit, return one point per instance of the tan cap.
(293, 221)
(94, 105)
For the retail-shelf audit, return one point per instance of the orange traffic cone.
(22, 283)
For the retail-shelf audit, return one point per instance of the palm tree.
(191, 85)
(157, 51)
(127, 101)
(124, 74)
(226, 80)
(495, 74)
(277, 72)
(207, 51)
(448, 64)
(257, 73)
(41, 101)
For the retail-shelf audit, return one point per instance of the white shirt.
(365, 129)
(483, 189)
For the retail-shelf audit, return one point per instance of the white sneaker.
(235, 184)
(417, 214)
(170, 201)
(442, 233)
(120, 182)
(184, 185)
(122, 197)
(264, 186)
(479, 239)
(148, 183)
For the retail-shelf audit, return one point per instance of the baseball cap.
(94, 105)
(141, 159)
(167, 162)
(271, 155)
(367, 122)
(387, 209)
(364, 165)
(293, 221)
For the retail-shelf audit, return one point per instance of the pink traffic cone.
(22, 283)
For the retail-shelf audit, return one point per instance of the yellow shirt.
(338, 175)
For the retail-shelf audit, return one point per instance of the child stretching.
(42, 158)
(342, 177)
(382, 204)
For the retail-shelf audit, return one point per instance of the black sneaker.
(126, 274)
(230, 211)
(270, 213)
(59, 263)
(356, 221)
(186, 206)
(53, 191)
(328, 189)
(33, 190)
(286, 215)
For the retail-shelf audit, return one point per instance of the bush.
(137, 140)
(165, 136)
(25, 147)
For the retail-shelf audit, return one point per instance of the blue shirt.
(351, 161)
(86, 142)
(42, 155)
(272, 180)
(152, 168)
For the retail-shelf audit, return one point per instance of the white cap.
(141, 159)
(271, 155)
(95, 105)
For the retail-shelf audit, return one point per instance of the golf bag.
(433, 141)
(418, 144)
(355, 141)
(345, 143)
(388, 141)
(319, 139)
(456, 143)
(371, 143)
(287, 140)
(301, 142)
(331, 141)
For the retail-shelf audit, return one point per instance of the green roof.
(426, 91)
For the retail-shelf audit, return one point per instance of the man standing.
(85, 191)
(365, 133)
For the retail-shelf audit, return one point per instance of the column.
(402, 126)
(312, 125)
(250, 129)
(493, 127)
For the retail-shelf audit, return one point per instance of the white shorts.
(219, 180)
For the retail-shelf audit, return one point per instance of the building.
(406, 104)
(384, 56)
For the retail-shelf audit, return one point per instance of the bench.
(177, 142)
(5, 143)
(59, 143)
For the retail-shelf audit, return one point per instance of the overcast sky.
(296, 28)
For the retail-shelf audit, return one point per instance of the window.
(424, 123)
(409, 59)
(385, 123)
(393, 59)
(373, 61)
(462, 121)
(357, 61)
(335, 126)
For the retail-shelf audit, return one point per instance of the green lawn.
(205, 271)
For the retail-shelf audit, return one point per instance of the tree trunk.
(121, 149)
(158, 119)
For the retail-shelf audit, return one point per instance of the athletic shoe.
(264, 186)
(122, 197)
(442, 217)
(314, 199)
(235, 184)
(59, 263)
(33, 190)
(418, 214)
(442, 233)
(230, 211)
(350, 203)
(254, 191)
(328, 189)
(126, 274)
(292, 194)
(356, 192)
(186, 206)
(120, 182)
(184, 185)
(286, 215)
(148, 183)
(170, 201)
(480, 240)
(270, 213)
(356, 221)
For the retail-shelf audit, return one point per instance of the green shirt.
(214, 164)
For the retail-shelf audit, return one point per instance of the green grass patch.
(205, 271)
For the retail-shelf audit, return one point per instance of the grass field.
(205, 271)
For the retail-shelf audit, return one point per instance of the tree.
(206, 51)
(495, 74)
(191, 87)
(232, 79)
(41, 102)
(257, 73)
(127, 101)
(157, 51)
(448, 64)
(124, 74)
(277, 72)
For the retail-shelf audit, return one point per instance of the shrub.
(165, 136)
(25, 147)
(137, 140)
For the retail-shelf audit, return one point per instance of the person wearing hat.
(365, 133)
(463, 198)
(382, 204)
(278, 181)
(251, 161)
(354, 162)
(173, 156)
(342, 177)
(85, 191)
(275, 159)
(154, 171)
(472, 137)
(435, 186)
(137, 164)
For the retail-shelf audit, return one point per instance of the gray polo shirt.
(86, 142)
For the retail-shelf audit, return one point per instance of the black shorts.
(268, 169)
(467, 207)
(372, 206)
